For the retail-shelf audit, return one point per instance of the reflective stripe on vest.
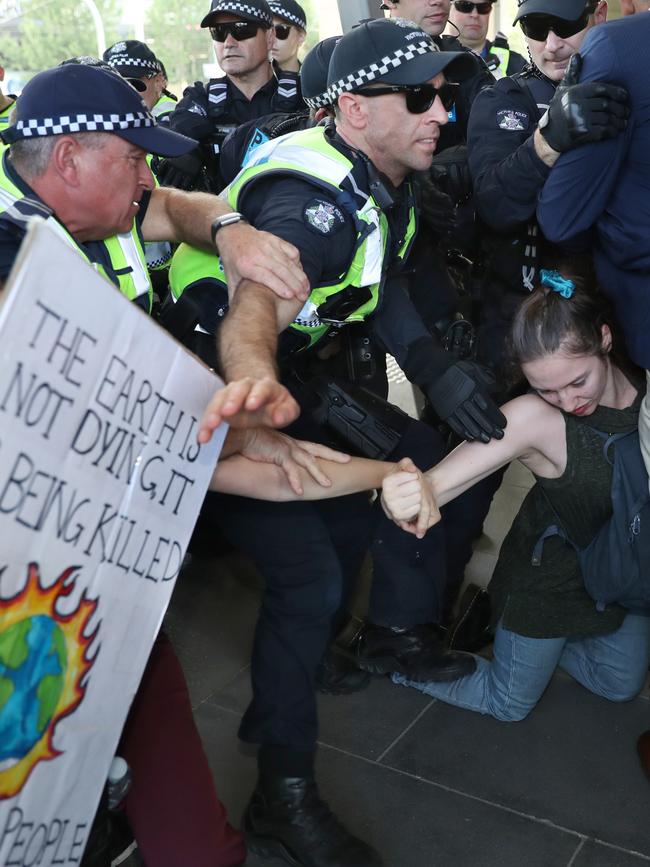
(124, 251)
(308, 154)
(503, 54)
(165, 105)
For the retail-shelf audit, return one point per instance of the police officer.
(135, 60)
(510, 157)
(336, 192)
(252, 87)
(290, 31)
(471, 20)
(7, 103)
(241, 143)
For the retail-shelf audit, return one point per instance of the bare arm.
(241, 476)
(248, 341)
(535, 434)
(246, 253)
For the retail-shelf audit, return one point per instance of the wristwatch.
(225, 220)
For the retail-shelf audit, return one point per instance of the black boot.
(471, 628)
(287, 819)
(339, 675)
(417, 652)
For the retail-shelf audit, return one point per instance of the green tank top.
(549, 600)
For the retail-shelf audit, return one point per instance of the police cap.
(391, 50)
(88, 60)
(132, 58)
(257, 11)
(289, 11)
(568, 10)
(77, 98)
(313, 73)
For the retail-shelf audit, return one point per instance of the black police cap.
(567, 10)
(77, 98)
(289, 11)
(257, 11)
(132, 58)
(313, 73)
(391, 50)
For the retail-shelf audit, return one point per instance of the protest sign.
(101, 481)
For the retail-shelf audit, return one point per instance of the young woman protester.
(563, 344)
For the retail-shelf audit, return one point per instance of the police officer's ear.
(600, 15)
(67, 158)
(352, 110)
(270, 39)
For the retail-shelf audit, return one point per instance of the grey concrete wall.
(352, 11)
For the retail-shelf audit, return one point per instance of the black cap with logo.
(568, 10)
(289, 11)
(132, 59)
(390, 50)
(78, 98)
(257, 11)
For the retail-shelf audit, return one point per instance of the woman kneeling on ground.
(544, 617)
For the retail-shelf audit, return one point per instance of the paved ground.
(427, 784)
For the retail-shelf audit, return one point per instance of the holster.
(370, 425)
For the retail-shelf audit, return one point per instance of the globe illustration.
(32, 666)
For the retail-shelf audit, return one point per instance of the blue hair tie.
(555, 281)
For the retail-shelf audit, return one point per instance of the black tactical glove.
(581, 113)
(461, 398)
(450, 173)
(184, 173)
(436, 208)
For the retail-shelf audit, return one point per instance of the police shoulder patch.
(323, 217)
(513, 121)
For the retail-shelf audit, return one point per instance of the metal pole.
(99, 26)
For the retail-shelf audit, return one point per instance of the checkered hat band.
(125, 60)
(282, 12)
(321, 101)
(238, 6)
(387, 64)
(81, 123)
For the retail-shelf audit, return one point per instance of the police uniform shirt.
(506, 170)
(12, 231)
(191, 115)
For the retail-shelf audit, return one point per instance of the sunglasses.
(419, 98)
(537, 27)
(467, 8)
(239, 30)
(282, 31)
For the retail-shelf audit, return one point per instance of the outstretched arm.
(246, 478)
(176, 216)
(535, 434)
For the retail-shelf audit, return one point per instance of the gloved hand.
(436, 208)
(184, 172)
(581, 113)
(450, 173)
(461, 398)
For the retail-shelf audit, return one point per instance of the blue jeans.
(509, 686)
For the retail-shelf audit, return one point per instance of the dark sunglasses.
(537, 27)
(282, 31)
(467, 8)
(239, 30)
(419, 98)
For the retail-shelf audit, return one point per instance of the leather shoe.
(643, 749)
(338, 675)
(417, 652)
(286, 818)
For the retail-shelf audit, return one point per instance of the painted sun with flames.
(44, 667)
